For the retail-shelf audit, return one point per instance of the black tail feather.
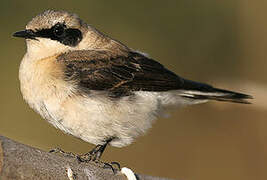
(232, 96)
(197, 90)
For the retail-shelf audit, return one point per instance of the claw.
(110, 165)
(117, 164)
(107, 165)
(58, 150)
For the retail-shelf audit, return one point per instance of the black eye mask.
(62, 34)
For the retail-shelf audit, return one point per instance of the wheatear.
(96, 88)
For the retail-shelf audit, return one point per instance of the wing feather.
(121, 75)
(100, 70)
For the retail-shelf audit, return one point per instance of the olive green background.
(214, 41)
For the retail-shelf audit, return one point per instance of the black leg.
(96, 153)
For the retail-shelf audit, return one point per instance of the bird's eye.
(59, 30)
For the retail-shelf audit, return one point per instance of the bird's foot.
(60, 151)
(93, 155)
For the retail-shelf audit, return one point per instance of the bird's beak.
(27, 34)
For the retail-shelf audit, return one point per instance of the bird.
(96, 88)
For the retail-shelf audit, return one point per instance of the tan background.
(215, 41)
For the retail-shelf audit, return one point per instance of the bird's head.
(55, 32)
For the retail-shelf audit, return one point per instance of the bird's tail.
(200, 91)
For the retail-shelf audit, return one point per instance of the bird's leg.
(95, 154)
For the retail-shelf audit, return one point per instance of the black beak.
(27, 34)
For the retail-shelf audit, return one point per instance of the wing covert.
(119, 75)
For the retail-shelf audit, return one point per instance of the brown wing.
(121, 75)
(118, 75)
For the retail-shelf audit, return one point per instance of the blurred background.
(213, 41)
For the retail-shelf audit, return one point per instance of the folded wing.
(121, 75)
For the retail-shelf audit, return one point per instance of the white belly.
(96, 119)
